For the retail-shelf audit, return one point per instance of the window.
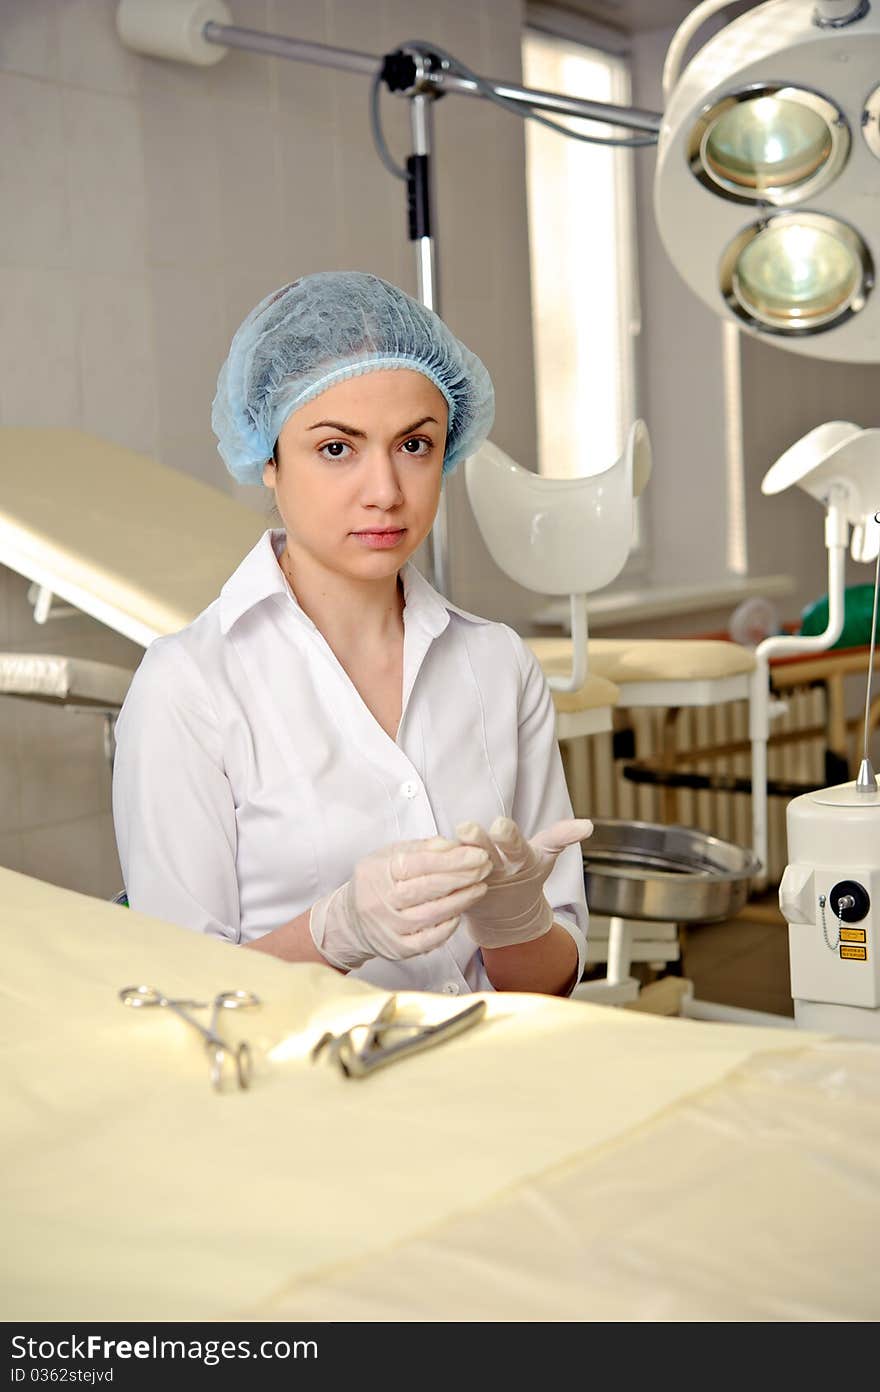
(583, 264)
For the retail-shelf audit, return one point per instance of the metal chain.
(832, 947)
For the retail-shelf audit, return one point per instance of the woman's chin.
(381, 556)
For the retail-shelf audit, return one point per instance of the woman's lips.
(379, 541)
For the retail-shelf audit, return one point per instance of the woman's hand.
(514, 909)
(401, 901)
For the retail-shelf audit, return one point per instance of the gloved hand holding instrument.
(514, 909)
(402, 900)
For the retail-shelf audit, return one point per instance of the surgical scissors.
(217, 1048)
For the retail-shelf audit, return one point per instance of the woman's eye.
(419, 446)
(334, 449)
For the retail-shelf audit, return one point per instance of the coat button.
(410, 788)
(450, 988)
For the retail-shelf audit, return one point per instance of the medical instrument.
(363, 1048)
(834, 872)
(402, 900)
(217, 1048)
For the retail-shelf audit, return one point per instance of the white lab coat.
(250, 777)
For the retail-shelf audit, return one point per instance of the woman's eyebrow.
(361, 434)
(416, 424)
(338, 425)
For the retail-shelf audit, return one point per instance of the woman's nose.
(381, 482)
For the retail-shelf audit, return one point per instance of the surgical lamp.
(767, 172)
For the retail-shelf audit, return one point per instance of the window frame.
(550, 22)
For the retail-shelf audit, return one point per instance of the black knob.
(399, 70)
(849, 901)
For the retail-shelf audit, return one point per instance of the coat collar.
(259, 577)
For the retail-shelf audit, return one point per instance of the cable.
(379, 141)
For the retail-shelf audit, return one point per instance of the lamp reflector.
(797, 273)
(769, 144)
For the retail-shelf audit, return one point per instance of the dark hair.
(273, 511)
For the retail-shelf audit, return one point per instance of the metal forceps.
(217, 1048)
(361, 1049)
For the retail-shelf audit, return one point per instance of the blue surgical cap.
(326, 327)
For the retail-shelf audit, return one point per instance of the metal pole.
(231, 36)
(422, 233)
(255, 41)
(421, 198)
(633, 117)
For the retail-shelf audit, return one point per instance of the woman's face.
(365, 457)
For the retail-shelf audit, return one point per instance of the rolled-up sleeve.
(173, 809)
(542, 796)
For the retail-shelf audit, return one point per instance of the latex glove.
(514, 909)
(401, 901)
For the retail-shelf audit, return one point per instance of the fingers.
(426, 939)
(555, 838)
(510, 840)
(416, 858)
(473, 834)
(428, 914)
(423, 889)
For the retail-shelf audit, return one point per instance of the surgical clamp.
(358, 1059)
(217, 1048)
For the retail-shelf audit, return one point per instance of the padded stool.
(587, 711)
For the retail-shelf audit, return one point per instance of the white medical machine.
(830, 891)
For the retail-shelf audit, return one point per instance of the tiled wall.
(146, 207)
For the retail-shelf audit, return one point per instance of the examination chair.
(114, 534)
(534, 529)
(572, 537)
(139, 546)
(566, 536)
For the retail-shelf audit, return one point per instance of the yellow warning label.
(852, 935)
(854, 954)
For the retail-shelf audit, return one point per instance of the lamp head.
(767, 170)
(838, 463)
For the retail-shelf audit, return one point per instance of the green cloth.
(858, 606)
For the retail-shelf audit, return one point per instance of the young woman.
(333, 763)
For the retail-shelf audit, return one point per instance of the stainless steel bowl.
(667, 873)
